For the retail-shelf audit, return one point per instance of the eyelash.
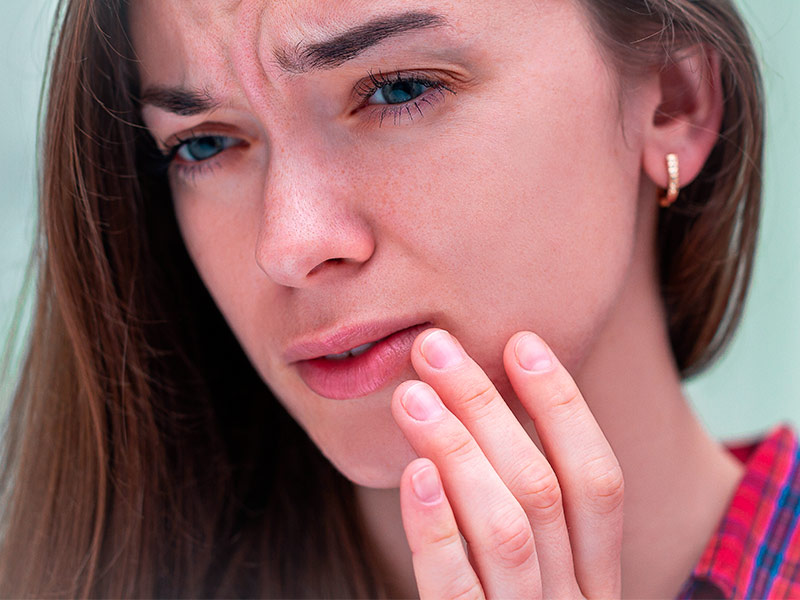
(188, 170)
(365, 89)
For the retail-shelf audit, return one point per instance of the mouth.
(360, 370)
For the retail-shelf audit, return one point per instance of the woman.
(325, 286)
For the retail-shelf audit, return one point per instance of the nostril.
(326, 263)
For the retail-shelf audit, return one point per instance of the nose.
(312, 229)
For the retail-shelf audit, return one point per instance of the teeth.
(361, 349)
(352, 352)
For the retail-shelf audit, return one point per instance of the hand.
(481, 474)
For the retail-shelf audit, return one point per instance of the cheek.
(527, 217)
(220, 231)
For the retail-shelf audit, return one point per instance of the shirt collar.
(732, 555)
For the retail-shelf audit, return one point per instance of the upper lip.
(341, 339)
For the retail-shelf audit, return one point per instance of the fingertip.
(421, 478)
(511, 344)
(414, 467)
(417, 359)
(417, 345)
(425, 510)
(401, 389)
(529, 352)
(426, 483)
(409, 502)
(418, 401)
(417, 465)
(399, 392)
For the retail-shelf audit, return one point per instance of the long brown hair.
(131, 466)
(707, 240)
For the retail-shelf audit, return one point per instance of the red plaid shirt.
(755, 552)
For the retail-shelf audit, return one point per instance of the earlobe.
(688, 117)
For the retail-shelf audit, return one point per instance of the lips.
(346, 338)
(355, 376)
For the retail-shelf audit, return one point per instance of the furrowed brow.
(181, 101)
(332, 53)
(305, 57)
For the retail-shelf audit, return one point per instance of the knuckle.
(605, 484)
(564, 402)
(462, 583)
(444, 539)
(510, 538)
(463, 588)
(542, 494)
(477, 400)
(458, 448)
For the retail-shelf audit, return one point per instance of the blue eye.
(397, 92)
(402, 92)
(396, 88)
(202, 148)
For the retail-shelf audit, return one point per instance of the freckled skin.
(513, 204)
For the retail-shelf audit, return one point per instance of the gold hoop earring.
(674, 181)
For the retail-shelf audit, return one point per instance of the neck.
(678, 479)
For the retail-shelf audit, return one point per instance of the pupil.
(403, 91)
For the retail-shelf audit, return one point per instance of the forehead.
(285, 20)
(205, 31)
(180, 41)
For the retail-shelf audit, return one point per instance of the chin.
(379, 466)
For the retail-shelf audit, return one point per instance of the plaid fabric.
(755, 552)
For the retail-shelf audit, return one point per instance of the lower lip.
(358, 376)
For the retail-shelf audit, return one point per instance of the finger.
(491, 520)
(468, 392)
(441, 567)
(587, 469)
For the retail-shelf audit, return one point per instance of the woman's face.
(487, 190)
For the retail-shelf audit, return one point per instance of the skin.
(525, 202)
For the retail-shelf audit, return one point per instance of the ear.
(688, 117)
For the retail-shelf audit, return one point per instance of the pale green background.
(756, 384)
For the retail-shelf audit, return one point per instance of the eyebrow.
(303, 58)
(332, 53)
(179, 100)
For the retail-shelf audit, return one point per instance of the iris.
(399, 91)
(204, 147)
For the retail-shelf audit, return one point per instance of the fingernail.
(441, 351)
(532, 354)
(421, 403)
(426, 485)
